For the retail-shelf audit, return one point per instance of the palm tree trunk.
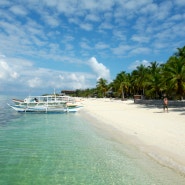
(123, 94)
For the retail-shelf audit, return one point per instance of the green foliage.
(174, 76)
(101, 87)
(121, 84)
(151, 81)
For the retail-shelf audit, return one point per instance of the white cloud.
(119, 35)
(84, 45)
(75, 80)
(101, 45)
(121, 49)
(6, 73)
(176, 17)
(50, 31)
(21, 75)
(66, 6)
(164, 10)
(134, 65)
(35, 82)
(53, 20)
(92, 17)
(140, 38)
(105, 25)
(86, 26)
(4, 3)
(2, 56)
(99, 69)
(149, 9)
(18, 10)
(180, 2)
(139, 50)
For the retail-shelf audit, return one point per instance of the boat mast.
(55, 95)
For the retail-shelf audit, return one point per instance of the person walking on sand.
(165, 104)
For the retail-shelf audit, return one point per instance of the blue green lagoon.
(66, 149)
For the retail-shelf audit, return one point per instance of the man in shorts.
(165, 104)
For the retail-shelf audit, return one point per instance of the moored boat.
(48, 103)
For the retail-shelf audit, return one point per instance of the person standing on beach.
(165, 104)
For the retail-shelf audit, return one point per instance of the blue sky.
(69, 44)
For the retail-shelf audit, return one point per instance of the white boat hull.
(50, 103)
(44, 109)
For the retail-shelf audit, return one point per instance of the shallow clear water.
(52, 149)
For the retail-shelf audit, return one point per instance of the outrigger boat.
(49, 103)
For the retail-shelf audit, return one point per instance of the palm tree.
(150, 81)
(154, 87)
(122, 83)
(139, 78)
(180, 52)
(174, 75)
(101, 87)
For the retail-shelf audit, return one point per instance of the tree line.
(152, 82)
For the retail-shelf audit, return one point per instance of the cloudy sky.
(69, 44)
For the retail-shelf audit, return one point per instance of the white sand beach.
(157, 134)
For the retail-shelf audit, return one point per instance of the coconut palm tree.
(174, 75)
(180, 52)
(139, 79)
(121, 84)
(154, 86)
(101, 87)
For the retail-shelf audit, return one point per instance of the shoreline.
(161, 136)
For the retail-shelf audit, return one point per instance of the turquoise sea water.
(53, 149)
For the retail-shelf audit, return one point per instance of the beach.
(106, 142)
(158, 134)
